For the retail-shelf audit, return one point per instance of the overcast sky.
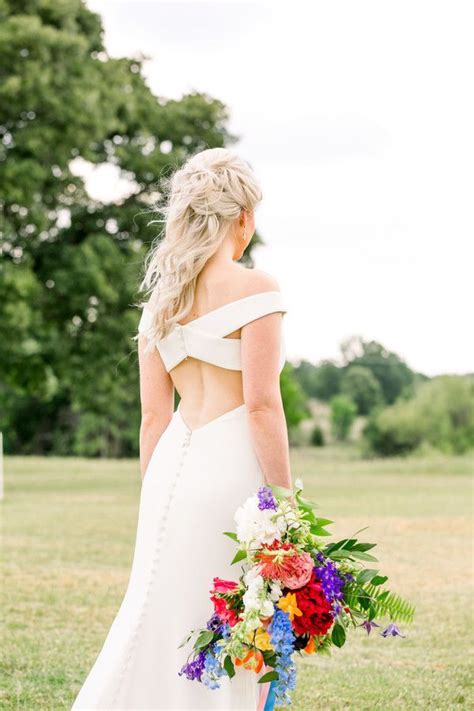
(358, 119)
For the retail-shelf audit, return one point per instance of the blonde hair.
(205, 196)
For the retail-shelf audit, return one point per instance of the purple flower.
(393, 630)
(194, 670)
(331, 582)
(215, 623)
(368, 624)
(266, 500)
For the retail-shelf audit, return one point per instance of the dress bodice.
(204, 337)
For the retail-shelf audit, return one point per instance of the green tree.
(360, 384)
(441, 414)
(327, 380)
(294, 400)
(343, 414)
(388, 368)
(71, 264)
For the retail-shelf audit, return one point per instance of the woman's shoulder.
(253, 281)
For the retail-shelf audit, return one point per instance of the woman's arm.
(157, 401)
(261, 340)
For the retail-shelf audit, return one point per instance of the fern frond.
(389, 603)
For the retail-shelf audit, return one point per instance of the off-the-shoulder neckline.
(229, 303)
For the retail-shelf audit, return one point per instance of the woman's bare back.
(206, 390)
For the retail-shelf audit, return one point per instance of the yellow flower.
(288, 604)
(262, 639)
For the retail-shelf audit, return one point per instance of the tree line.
(71, 263)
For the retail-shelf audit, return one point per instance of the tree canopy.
(71, 264)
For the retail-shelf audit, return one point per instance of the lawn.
(68, 536)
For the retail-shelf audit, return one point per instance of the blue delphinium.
(225, 631)
(212, 669)
(282, 639)
(266, 500)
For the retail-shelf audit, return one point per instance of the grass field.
(68, 537)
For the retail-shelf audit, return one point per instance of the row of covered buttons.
(155, 561)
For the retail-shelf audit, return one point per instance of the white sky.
(358, 119)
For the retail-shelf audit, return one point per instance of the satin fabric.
(194, 482)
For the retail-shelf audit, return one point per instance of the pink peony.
(281, 561)
(297, 571)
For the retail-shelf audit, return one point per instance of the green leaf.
(240, 555)
(379, 579)
(339, 554)
(231, 534)
(269, 676)
(344, 543)
(280, 490)
(338, 635)
(204, 639)
(324, 521)
(364, 546)
(186, 639)
(364, 600)
(365, 575)
(229, 667)
(306, 503)
(360, 555)
(349, 543)
(269, 657)
(319, 531)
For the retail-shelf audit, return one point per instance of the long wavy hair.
(203, 198)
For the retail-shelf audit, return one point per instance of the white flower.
(298, 483)
(275, 592)
(266, 608)
(256, 525)
(252, 596)
(251, 574)
(253, 623)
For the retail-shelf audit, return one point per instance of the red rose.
(316, 618)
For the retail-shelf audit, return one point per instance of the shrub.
(317, 437)
(441, 414)
(343, 414)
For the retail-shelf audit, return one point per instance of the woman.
(212, 330)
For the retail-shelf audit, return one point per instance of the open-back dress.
(193, 484)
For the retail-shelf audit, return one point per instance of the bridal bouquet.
(296, 595)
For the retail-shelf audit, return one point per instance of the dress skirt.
(193, 485)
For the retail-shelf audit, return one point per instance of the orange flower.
(311, 646)
(252, 660)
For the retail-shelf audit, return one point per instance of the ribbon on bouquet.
(267, 697)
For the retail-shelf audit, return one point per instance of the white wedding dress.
(193, 484)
